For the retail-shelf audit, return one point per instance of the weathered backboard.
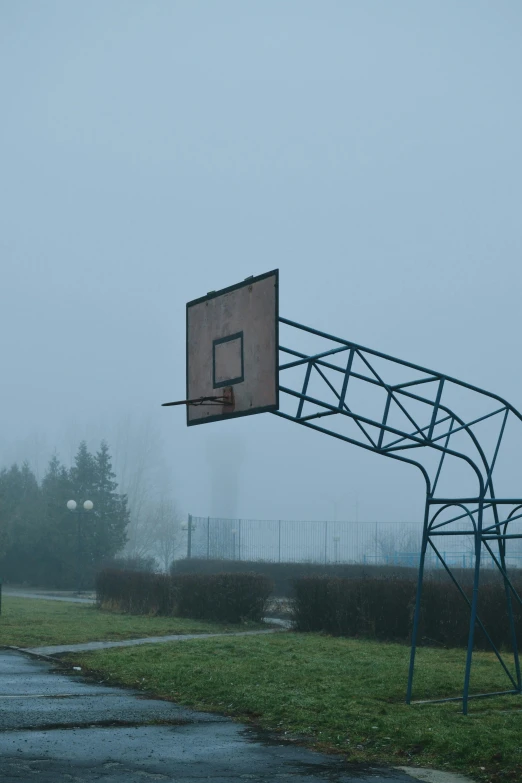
(232, 350)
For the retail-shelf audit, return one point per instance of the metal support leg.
(416, 614)
(473, 617)
(509, 603)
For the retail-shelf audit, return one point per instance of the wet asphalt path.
(43, 595)
(55, 727)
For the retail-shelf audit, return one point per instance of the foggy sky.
(153, 151)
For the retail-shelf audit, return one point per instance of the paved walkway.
(89, 646)
(56, 727)
(70, 598)
(281, 625)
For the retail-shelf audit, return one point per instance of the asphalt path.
(69, 598)
(60, 649)
(57, 726)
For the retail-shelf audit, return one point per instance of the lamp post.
(73, 508)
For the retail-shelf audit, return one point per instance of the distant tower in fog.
(225, 455)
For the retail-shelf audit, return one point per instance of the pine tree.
(101, 531)
(20, 503)
(41, 540)
(4, 515)
(82, 478)
(58, 540)
(112, 509)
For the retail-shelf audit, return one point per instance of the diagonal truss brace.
(371, 432)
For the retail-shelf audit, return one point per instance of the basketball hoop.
(224, 400)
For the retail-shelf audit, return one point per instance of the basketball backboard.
(232, 351)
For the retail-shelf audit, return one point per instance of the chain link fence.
(290, 541)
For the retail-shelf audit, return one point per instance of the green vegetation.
(223, 598)
(345, 695)
(31, 623)
(41, 541)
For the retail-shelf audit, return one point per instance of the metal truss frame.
(436, 431)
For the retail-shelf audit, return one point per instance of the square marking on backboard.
(227, 360)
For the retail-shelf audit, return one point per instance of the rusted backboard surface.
(232, 350)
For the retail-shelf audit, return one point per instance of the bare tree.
(145, 479)
(396, 541)
(167, 538)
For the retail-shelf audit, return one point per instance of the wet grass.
(27, 622)
(341, 695)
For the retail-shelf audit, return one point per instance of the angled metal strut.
(413, 418)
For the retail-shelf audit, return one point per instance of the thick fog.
(154, 151)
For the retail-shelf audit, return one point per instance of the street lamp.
(88, 505)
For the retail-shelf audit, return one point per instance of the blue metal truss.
(427, 426)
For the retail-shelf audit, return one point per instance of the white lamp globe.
(88, 505)
(71, 505)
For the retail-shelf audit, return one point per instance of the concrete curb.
(22, 650)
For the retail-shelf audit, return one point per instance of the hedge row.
(383, 609)
(230, 598)
(135, 592)
(283, 575)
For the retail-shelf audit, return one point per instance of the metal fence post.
(279, 537)
(325, 542)
(189, 537)
(208, 538)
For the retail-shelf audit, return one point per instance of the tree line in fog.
(43, 542)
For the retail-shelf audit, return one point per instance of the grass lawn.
(27, 622)
(344, 695)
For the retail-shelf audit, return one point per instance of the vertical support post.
(239, 541)
(507, 589)
(325, 542)
(189, 537)
(279, 541)
(376, 542)
(208, 538)
(416, 613)
(474, 602)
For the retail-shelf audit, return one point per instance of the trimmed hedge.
(378, 608)
(283, 575)
(383, 609)
(230, 598)
(445, 615)
(135, 592)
